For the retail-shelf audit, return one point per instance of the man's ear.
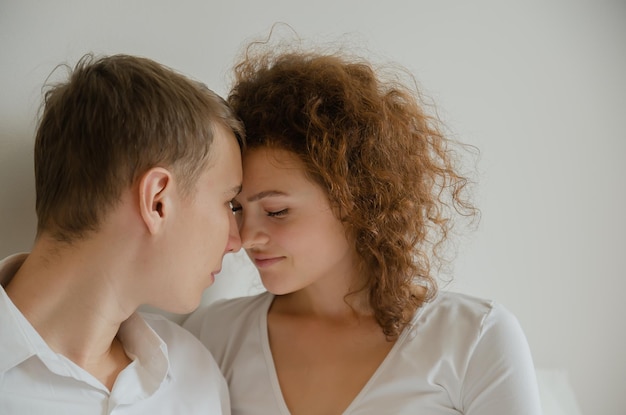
(155, 191)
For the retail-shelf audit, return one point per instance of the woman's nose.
(253, 234)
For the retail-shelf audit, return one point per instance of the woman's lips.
(267, 262)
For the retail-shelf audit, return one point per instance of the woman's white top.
(459, 355)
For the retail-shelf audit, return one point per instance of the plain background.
(538, 87)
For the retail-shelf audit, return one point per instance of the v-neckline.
(269, 360)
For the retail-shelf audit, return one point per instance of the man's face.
(204, 227)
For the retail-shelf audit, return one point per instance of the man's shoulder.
(165, 328)
(183, 348)
(192, 371)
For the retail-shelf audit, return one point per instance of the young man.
(135, 168)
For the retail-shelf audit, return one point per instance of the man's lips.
(264, 262)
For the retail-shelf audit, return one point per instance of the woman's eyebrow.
(264, 194)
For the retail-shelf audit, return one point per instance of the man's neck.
(74, 300)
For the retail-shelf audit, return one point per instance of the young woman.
(349, 189)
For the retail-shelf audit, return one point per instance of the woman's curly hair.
(383, 162)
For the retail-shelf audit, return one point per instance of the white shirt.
(460, 355)
(170, 373)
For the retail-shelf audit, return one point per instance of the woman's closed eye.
(277, 213)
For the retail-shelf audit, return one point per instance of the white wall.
(538, 86)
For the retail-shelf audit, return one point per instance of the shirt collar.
(141, 343)
(14, 342)
(149, 352)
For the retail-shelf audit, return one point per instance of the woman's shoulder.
(449, 302)
(456, 300)
(238, 305)
(227, 313)
(465, 312)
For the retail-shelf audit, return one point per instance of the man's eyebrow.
(235, 190)
(264, 194)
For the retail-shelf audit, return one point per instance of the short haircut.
(111, 121)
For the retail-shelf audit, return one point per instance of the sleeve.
(500, 377)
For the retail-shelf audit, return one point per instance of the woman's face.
(288, 227)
